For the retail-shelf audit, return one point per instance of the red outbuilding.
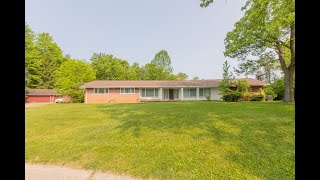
(41, 95)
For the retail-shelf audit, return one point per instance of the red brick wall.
(114, 90)
(67, 99)
(113, 96)
(256, 88)
(43, 98)
(253, 88)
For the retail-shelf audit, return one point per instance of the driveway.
(35, 104)
(49, 172)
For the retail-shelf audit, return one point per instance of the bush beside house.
(242, 93)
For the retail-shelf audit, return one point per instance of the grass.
(167, 140)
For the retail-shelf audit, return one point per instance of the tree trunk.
(288, 86)
(288, 74)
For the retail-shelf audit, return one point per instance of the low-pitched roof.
(253, 82)
(42, 92)
(163, 83)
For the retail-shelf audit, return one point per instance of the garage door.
(38, 99)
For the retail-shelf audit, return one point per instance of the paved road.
(49, 172)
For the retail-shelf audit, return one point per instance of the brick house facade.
(133, 91)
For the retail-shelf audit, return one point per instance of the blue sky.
(135, 30)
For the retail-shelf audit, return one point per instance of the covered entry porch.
(174, 93)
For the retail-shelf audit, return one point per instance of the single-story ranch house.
(131, 91)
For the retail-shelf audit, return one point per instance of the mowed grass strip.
(167, 140)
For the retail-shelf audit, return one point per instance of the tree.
(109, 67)
(269, 91)
(264, 68)
(71, 75)
(181, 76)
(266, 25)
(100, 62)
(205, 3)
(195, 78)
(32, 65)
(227, 81)
(278, 88)
(154, 72)
(243, 86)
(163, 61)
(135, 72)
(50, 58)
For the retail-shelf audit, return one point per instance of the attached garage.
(41, 96)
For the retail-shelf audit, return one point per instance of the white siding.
(215, 94)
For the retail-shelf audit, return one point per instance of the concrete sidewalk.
(49, 172)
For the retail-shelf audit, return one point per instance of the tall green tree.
(32, 64)
(154, 72)
(136, 72)
(228, 78)
(266, 25)
(264, 68)
(50, 58)
(71, 75)
(162, 60)
(195, 78)
(181, 76)
(109, 67)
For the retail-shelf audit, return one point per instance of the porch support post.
(160, 94)
(197, 93)
(181, 93)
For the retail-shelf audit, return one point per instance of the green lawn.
(173, 140)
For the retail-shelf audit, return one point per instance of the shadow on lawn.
(260, 139)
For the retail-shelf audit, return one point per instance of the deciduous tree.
(181, 76)
(50, 58)
(71, 75)
(163, 61)
(266, 25)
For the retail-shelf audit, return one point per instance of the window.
(165, 93)
(200, 91)
(127, 91)
(143, 93)
(207, 92)
(193, 92)
(149, 92)
(176, 93)
(101, 90)
(189, 92)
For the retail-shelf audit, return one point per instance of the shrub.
(269, 91)
(247, 96)
(278, 88)
(208, 98)
(232, 96)
(77, 96)
(259, 97)
(243, 86)
(263, 94)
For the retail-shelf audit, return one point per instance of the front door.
(171, 94)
